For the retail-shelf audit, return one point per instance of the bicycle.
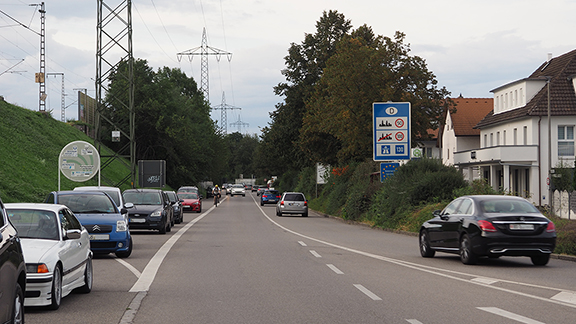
(216, 199)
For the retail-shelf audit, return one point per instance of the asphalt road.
(239, 263)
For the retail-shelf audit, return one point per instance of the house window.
(497, 138)
(485, 140)
(515, 136)
(504, 138)
(525, 136)
(491, 139)
(565, 140)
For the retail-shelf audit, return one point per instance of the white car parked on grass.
(56, 251)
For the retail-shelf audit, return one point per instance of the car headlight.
(157, 213)
(121, 226)
(36, 268)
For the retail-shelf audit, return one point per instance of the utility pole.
(239, 123)
(62, 95)
(204, 51)
(40, 77)
(224, 115)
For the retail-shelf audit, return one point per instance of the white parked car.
(238, 189)
(56, 251)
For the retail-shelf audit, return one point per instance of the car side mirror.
(201, 197)
(73, 234)
(436, 213)
(181, 200)
(128, 206)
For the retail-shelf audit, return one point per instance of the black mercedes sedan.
(490, 226)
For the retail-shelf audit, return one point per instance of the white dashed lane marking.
(507, 314)
(367, 292)
(336, 270)
(314, 253)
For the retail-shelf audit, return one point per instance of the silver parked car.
(292, 203)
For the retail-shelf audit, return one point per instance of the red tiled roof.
(469, 111)
(562, 96)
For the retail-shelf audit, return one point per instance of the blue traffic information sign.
(391, 131)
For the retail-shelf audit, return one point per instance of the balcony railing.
(524, 154)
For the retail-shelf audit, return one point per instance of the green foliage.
(241, 152)
(364, 69)
(172, 123)
(416, 183)
(477, 187)
(566, 236)
(562, 177)
(363, 185)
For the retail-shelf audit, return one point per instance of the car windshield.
(171, 196)
(272, 192)
(237, 186)
(294, 197)
(190, 195)
(142, 198)
(88, 204)
(36, 224)
(508, 206)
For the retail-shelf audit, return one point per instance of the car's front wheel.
(56, 293)
(425, 248)
(88, 277)
(466, 254)
(18, 307)
(540, 260)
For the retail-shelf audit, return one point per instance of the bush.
(477, 187)
(361, 190)
(414, 184)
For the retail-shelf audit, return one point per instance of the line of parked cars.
(46, 249)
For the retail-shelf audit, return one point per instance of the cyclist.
(216, 194)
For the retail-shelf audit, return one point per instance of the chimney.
(549, 57)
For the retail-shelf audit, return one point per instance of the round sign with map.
(79, 161)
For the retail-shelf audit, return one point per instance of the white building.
(515, 150)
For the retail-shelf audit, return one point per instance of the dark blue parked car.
(107, 226)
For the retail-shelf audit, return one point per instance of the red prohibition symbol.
(399, 123)
(399, 136)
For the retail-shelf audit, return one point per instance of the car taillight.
(278, 197)
(305, 203)
(486, 226)
(551, 228)
(282, 203)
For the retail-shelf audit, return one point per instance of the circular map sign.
(79, 161)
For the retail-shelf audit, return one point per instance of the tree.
(305, 63)
(337, 125)
(172, 123)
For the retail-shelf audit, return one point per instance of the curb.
(564, 257)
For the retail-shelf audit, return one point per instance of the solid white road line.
(512, 316)
(487, 281)
(149, 273)
(314, 253)
(338, 271)
(367, 292)
(413, 321)
(129, 266)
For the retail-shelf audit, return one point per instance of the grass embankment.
(30, 143)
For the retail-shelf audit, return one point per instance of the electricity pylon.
(62, 97)
(114, 59)
(223, 114)
(239, 123)
(204, 50)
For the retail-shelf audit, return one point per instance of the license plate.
(137, 220)
(99, 237)
(522, 227)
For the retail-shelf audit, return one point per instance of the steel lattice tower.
(239, 123)
(41, 77)
(204, 51)
(223, 114)
(114, 40)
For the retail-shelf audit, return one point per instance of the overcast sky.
(471, 46)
